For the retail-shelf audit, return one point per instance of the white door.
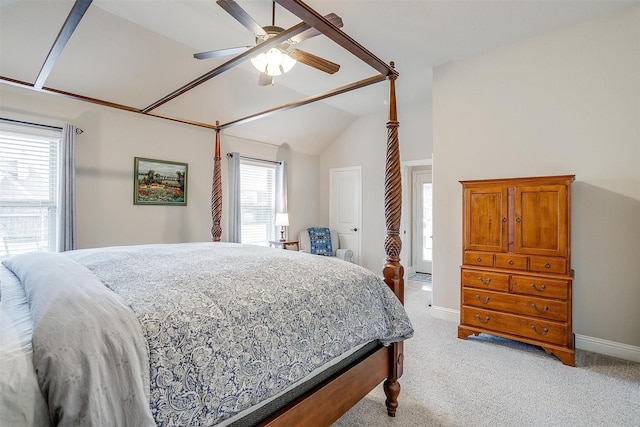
(422, 244)
(345, 207)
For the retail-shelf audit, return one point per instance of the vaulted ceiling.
(135, 53)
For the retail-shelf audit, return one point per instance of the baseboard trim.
(445, 313)
(609, 348)
(583, 342)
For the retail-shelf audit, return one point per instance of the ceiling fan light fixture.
(280, 59)
(273, 62)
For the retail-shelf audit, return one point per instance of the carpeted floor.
(490, 381)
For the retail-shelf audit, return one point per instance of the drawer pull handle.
(484, 282)
(518, 219)
(486, 300)
(478, 259)
(547, 265)
(544, 331)
(545, 308)
(542, 287)
(511, 262)
(486, 320)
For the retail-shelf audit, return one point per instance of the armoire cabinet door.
(541, 220)
(485, 227)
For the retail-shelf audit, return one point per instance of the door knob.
(354, 229)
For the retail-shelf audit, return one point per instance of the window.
(28, 188)
(257, 202)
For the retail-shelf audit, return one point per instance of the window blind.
(28, 188)
(257, 202)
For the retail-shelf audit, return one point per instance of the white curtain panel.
(66, 240)
(235, 226)
(281, 189)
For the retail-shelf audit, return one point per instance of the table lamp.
(282, 221)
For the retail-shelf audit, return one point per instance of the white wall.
(104, 170)
(563, 103)
(364, 144)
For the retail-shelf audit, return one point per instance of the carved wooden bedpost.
(393, 271)
(216, 191)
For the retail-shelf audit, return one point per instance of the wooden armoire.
(516, 276)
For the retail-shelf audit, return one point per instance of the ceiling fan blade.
(314, 61)
(221, 52)
(241, 16)
(265, 79)
(312, 32)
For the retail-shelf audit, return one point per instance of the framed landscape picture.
(159, 182)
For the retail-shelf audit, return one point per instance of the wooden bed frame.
(328, 401)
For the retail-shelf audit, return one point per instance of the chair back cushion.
(320, 238)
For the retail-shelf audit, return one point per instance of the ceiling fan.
(277, 60)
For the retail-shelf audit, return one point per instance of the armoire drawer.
(478, 258)
(548, 264)
(528, 327)
(516, 304)
(485, 280)
(518, 262)
(540, 286)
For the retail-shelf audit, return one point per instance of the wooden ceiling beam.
(70, 25)
(26, 85)
(305, 101)
(320, 23)
(273, 41)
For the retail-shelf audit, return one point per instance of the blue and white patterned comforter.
(230, 325)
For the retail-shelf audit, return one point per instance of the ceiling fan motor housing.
(273, 31)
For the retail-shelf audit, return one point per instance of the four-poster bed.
(319, 406)
(331, 395)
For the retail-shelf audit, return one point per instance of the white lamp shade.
(282, 219)
(287, 63)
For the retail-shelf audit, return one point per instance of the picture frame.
(159, 182)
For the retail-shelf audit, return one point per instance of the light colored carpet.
(490, 381)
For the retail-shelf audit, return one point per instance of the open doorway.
(415, 226)
(422, 220)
